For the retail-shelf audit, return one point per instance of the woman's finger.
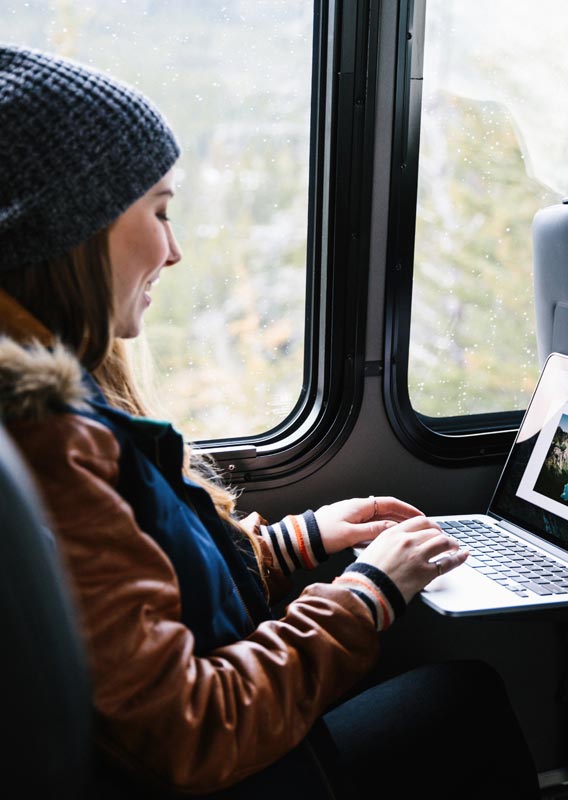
(366, 532)
(418, 523)
(395, 509)
(446, 563)
(436, 545)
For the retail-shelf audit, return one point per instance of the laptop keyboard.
(507, 561)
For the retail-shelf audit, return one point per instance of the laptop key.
(507, 583)
(557, 589)
(537, 588)
(472, 561)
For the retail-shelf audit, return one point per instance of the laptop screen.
(533, 488)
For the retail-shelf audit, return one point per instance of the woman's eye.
(163, 216)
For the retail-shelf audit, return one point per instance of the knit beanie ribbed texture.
(77, 148)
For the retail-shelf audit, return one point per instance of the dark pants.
(442, 730)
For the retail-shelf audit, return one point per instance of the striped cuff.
(295, 542)
(381, 596)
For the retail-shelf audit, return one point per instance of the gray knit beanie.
(77, 148)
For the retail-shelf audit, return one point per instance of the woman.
(197, 688)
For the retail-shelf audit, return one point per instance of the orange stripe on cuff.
(386, 616)
(370, 588)
(300, 542)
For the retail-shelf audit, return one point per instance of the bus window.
(492, 152)
(227, 331)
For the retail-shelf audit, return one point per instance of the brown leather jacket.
(203, 722)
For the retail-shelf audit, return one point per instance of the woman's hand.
(405, 552)
(361, 519)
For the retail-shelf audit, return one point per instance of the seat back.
(550, 259)
(45, 707)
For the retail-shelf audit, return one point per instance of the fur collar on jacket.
(37, 373)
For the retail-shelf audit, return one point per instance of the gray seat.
(46, 707)
(550, 259)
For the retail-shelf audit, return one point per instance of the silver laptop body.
(529, 507)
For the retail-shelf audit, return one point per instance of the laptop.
(518, 549)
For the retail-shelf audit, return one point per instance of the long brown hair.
(72, 295)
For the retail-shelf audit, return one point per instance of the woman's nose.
(175, 251)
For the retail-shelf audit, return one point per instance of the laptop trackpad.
(465, 591)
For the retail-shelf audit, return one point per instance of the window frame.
(340, 194)
(474, 438)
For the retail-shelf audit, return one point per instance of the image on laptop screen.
(533, 488)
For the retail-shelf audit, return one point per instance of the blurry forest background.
(493, 151)
(226, 327)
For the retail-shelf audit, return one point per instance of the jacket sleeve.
(200, 723)
(279, 585)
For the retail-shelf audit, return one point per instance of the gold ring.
(439, 567)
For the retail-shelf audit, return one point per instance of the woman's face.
(141, 243)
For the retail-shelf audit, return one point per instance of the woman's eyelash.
(163, 216)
